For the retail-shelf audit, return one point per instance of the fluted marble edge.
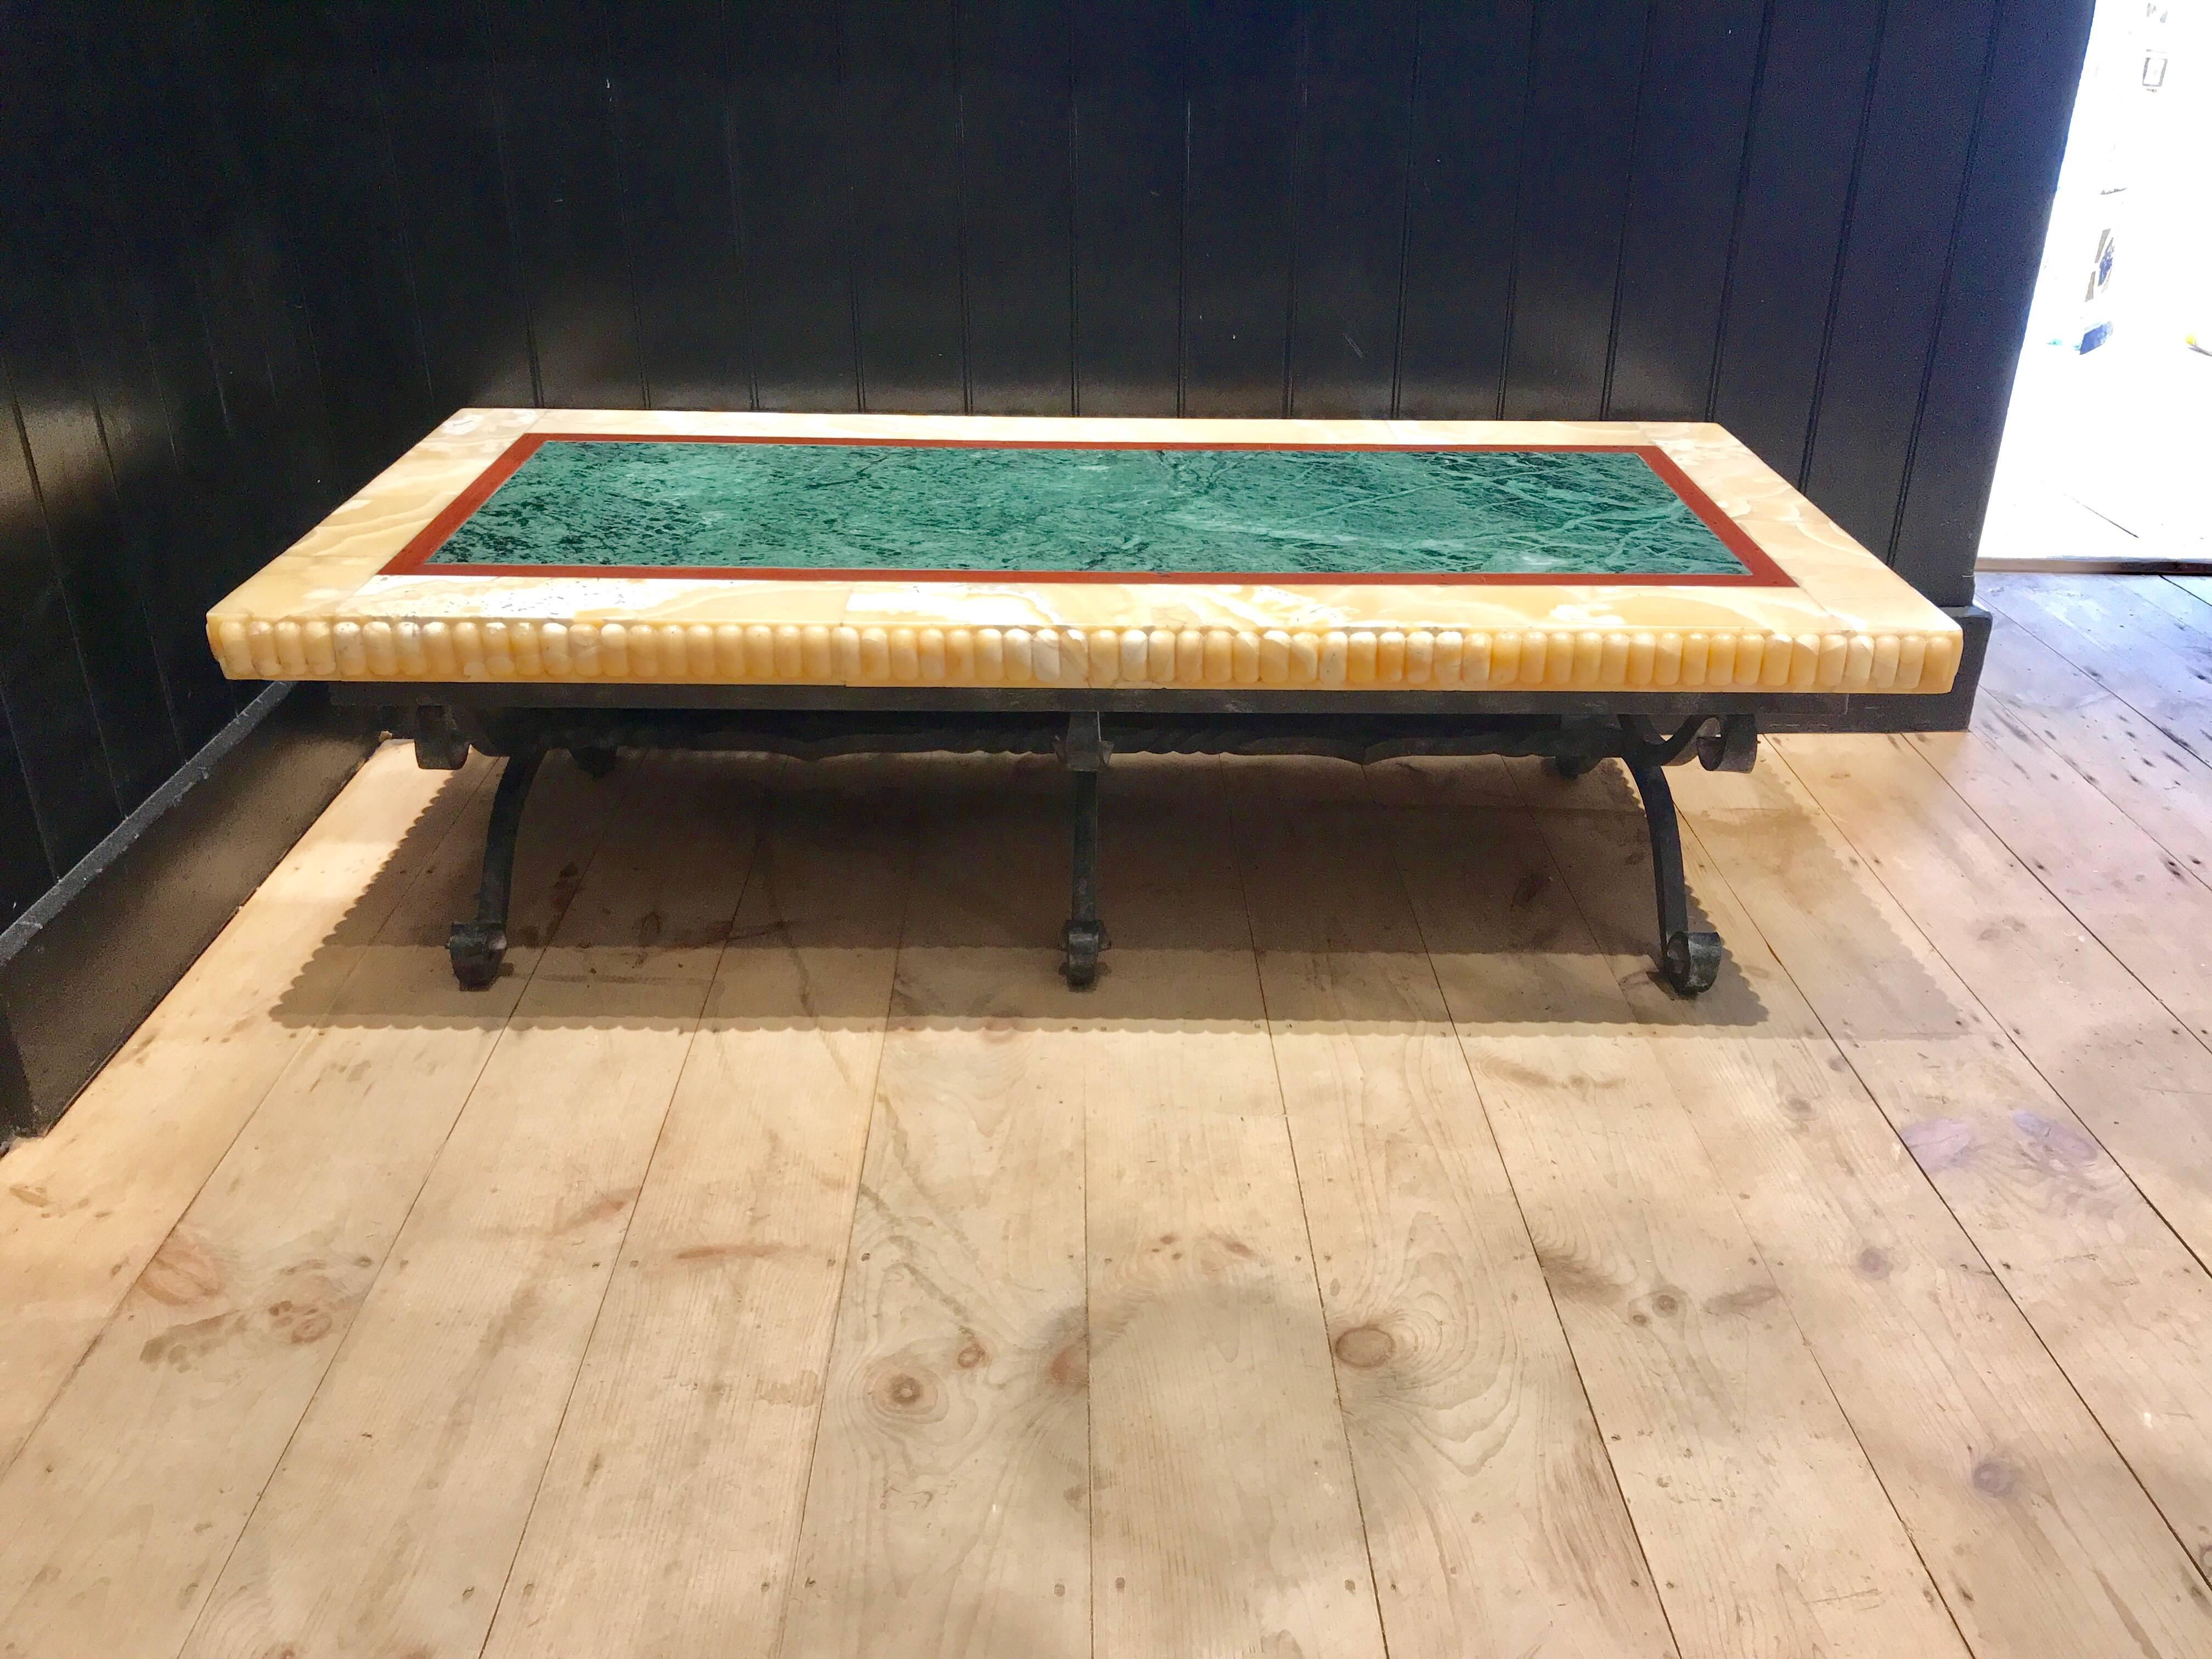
(730, 654)
(322, 611)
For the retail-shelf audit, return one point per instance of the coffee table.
(524, 580)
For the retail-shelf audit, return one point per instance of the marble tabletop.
(660, 546)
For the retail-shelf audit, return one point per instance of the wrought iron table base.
(1083, 752)
(1084, 740)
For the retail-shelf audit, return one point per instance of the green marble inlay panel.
(672, 503)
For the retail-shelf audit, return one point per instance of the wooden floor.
(782, 1261)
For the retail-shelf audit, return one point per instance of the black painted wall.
(252, 251)
(162, 431)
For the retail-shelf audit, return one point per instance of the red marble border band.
(1760, 570)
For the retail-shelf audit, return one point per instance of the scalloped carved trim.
(499, 648)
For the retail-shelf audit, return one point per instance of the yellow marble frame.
(322, 610)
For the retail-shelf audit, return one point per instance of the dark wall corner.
(84, 965)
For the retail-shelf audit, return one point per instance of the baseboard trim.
(2151, 564)
(84, 965)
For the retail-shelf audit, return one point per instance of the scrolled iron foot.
(1734, 748)
(1081, 941)
(1691, 962)
(593, 762)
(477, 948)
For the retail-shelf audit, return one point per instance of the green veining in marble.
(1303, 512)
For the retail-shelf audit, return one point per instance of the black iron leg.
(1690, 961)
(439, 745)
(478, 947)
(1083, 751)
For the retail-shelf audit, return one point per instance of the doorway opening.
(2107, 456)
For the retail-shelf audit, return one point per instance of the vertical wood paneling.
(1797, 189)
(441, 120)
(163, 180)
(50, 212)
(268, 380)
(1131, 149)
(155, 178)
(675, 130)
(1899, 247)
(114, 312)
(795, 207)
(1580, 138)
(672, 72)
(1997, 245)
(42, 676)
(244, 282)
(60, 432)
(1694, 113)
(1016, 173)
(1245, 111)
(903, 106)
(163, 428)
(245, 265)
(1459, 288)
(218, 523)
(326, 155)
(1351, 208)
(566, 182)
(24, 873)
(162, 537)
